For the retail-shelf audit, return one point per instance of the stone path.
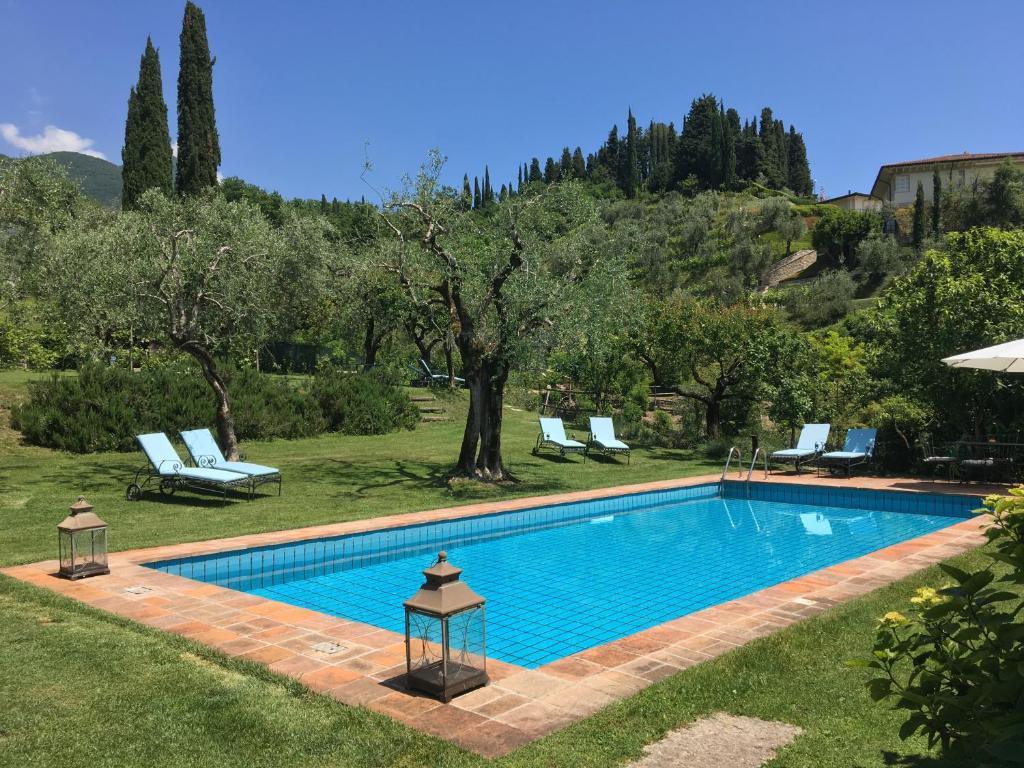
(719, 741)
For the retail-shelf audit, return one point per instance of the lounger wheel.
(133, 492)
(535, 452)
(167, 487)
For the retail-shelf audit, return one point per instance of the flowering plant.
(955, 662)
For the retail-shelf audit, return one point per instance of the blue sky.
(305, 90)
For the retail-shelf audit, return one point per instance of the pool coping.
(362, 665)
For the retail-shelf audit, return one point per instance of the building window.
(902, 184)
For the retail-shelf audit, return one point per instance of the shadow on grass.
(923, 761)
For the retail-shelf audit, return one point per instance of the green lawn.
(80, 687)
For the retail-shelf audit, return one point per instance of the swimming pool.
(563, 578)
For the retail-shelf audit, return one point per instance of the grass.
(81, 687)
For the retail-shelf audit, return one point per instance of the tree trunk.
(370, 346)
(225, 421)
(489, 465)
(466, 465)
(449, 363)
(713, 417)
(480, 455)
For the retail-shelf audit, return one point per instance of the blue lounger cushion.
(554, 432)
(602, 433)
(812, 440)
(167, 463)
(206, 453)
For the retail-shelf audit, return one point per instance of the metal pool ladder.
(734, 451)
(764, 455)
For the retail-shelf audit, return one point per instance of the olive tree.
(505, 277)
(204, 276)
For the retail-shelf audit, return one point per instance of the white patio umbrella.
(1006, 358)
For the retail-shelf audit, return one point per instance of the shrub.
(362, 404)
(103, 408)
(956, 663)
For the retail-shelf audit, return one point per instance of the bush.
(103, 408)
(360, 404)
(956, 664)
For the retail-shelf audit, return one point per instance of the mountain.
(99, 179)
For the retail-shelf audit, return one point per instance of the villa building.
(896, 183)
(855, 201)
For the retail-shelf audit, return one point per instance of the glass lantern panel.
(424, 640)
(64, 545)
(99, 546)
(466, 640)
(84, 548)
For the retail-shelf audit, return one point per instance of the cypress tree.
(782, 147)
(323, 204)
(535, 173)
(198, 144)
(550, 171)
(519, 184)
(467, 193)
(699, 149)
(487, 194)
(917, 233)
(503, 194)
(631, 169)
(729, 147)
(799, 169)
(477, 202)
(772, 166)
(565, 164)
(936, 203)
(147, 142)
(579, 165)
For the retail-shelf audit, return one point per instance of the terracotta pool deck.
(362, 665)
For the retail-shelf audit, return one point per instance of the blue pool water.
(563, 578)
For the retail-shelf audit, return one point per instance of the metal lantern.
(445, 637)
(82, 542)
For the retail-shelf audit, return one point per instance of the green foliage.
(956, 664)
(198, 142)
(879, 254)
(838, 233)
(38, 202)
(998, 202)
(147, 141)
(918, 227)
(361, 404)
(822, 301)
(104, 407)
(962, 298)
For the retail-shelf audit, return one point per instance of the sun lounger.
(552, 435)
(206, 453)
(169, 472)
(603, 439)
(858, 449)
(811, 443)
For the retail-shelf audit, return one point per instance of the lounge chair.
(602, 437)
(428, 378)
(170, 473)
(811, 443)
(858, 449)
(552, 435)
(206, 453)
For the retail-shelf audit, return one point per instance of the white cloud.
(52, 139)
(174, 149)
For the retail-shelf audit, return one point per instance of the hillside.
(100, 179)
